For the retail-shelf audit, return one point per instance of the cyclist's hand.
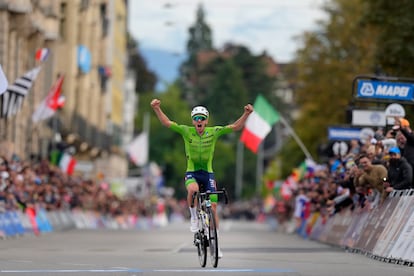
(155, 103)
(248, 108)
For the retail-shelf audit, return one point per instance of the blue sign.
(370, 89)
(343, 134)
(84, 59)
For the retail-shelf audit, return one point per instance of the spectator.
(301, 212)
(354, 147)
(375, 154)
(400, 172)
(389, 140)
(345, 189)
(405, 139)
(370, 183)
(3, 164)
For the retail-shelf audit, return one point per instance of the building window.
(104, 21)
(62, 25)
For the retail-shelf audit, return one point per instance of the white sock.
(193, 212)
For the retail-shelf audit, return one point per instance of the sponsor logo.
(367, 90)
(385, 90)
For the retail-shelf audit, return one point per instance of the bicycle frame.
(207, 234)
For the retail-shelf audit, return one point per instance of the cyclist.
(199, 142)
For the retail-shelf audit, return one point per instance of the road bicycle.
(207, 233)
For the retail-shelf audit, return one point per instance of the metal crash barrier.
(385, 233)
(37, 221)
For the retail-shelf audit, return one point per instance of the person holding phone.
(400, 172)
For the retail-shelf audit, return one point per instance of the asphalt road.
(249, 249)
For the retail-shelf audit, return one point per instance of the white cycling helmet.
(199, 110)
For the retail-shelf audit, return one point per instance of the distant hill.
(164, 64)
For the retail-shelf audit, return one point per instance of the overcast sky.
(261, 25)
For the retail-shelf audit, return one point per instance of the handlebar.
(208, 193)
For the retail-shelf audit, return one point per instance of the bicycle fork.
(203, 231)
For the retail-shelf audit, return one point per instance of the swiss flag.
(53, 101)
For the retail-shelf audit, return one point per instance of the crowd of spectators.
(360, 177)
(39, 184)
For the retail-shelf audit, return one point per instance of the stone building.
(86, 40)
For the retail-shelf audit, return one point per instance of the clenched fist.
(248, 108)
(155, 103)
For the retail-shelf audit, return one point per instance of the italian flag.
(259, 124)
(67, 163)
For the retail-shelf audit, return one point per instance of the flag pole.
(239, 170)
(259, 168)
(297, 139)
(146, 127)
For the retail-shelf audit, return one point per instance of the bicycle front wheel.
(199, 240)
(212, 239)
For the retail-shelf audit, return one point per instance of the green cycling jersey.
(199, 149)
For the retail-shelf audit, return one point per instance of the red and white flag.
(259, 124)
(42, 54)
(67, 163)
(54, 100)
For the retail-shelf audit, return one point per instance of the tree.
(145, 79)
(166, 147)
(394, 54)
(326, 65)
(200, 35)
(395, 24)
(227, 93)
(200, 39)
(254, 72)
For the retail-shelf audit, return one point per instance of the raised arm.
(156, 106)
(239, 123)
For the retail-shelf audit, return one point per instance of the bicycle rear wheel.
(200, 243)
(212, 239)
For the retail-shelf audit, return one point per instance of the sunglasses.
(199, 118)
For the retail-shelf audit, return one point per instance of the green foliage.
(224, 165)
(145, 78)
(227, 94)
(249, 174)
(166, 147)
(253, 68)
(326, 66)
(394, 54)
(359, 37)
(394, 20)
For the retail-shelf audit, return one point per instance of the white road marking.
(129, 270)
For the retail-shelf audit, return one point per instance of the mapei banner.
(372, 89)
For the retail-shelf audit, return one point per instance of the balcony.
(83, 131)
